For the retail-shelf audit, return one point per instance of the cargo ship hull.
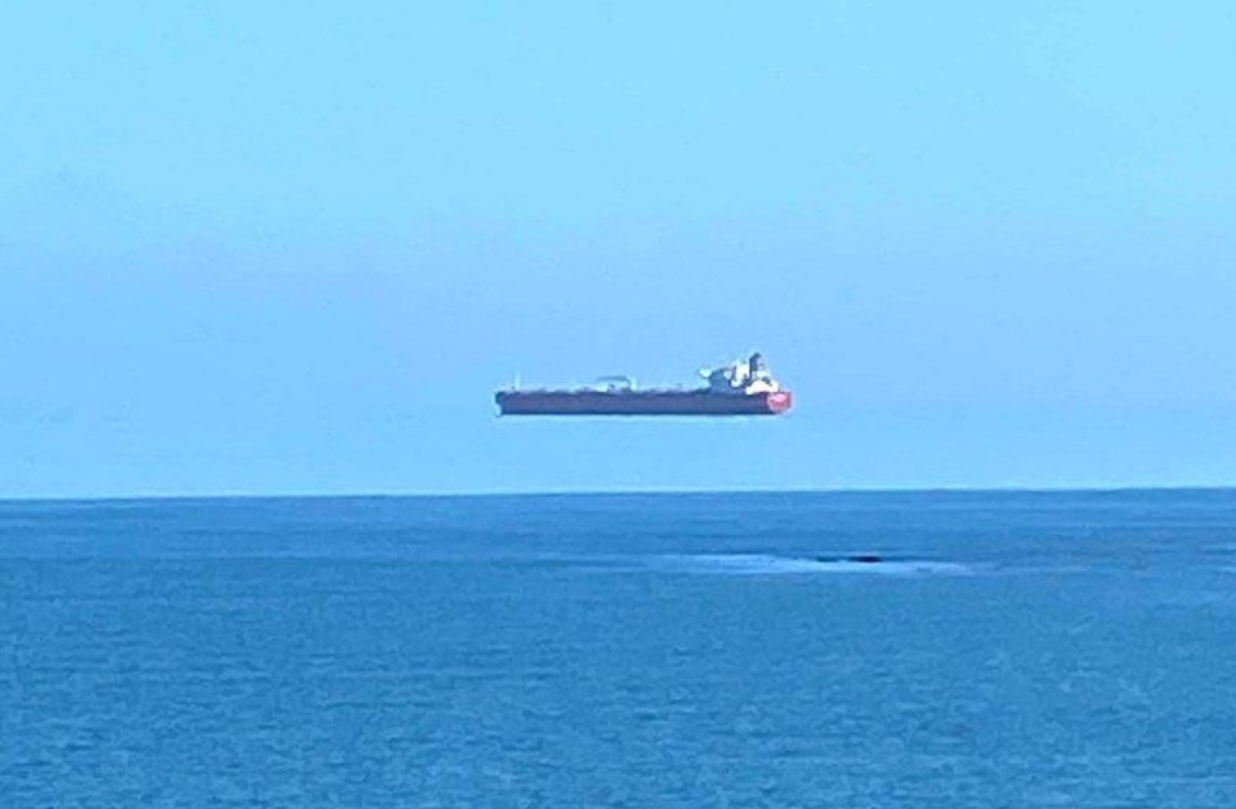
(641, 403)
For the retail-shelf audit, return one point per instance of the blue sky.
(277, 247)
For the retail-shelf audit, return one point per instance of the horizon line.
(622, 492)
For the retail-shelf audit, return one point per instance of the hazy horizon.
(603, 493)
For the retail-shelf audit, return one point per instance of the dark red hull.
(641, 403)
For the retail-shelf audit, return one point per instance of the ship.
(741, 388)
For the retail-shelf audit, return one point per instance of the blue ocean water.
(1015, 649)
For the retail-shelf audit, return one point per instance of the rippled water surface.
(924, 650)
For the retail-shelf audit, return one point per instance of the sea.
(874, 649)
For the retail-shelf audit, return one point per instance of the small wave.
(739, 564)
